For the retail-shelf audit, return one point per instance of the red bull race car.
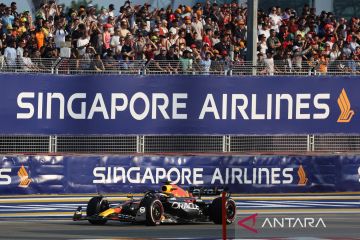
(170, 205)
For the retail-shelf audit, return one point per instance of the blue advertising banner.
(109, 104)
(136, 174)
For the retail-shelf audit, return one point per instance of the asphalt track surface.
(338, 226)
(26, 219)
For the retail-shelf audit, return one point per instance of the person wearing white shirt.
(206, 64)
(82, 44)
(111, 10)
(353, 44)
(20, 49)
(264, 30)
(335, 53)
(276, 20)
(269, 64)
(59, 36)
(262, 45)
(198, 26)
(10, 54)
(115, 40)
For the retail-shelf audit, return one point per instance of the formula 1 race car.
(171, 205)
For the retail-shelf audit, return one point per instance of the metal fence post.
(310, 143)
(140, 144)
(56, 66)
(226, 143)
(224, 148)
(53, 144)
(50, 144)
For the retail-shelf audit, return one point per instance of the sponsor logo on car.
(184, 206)
(142, 210)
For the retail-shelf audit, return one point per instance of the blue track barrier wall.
(123, 174)
(109, 104)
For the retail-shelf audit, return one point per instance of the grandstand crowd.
(204, 33)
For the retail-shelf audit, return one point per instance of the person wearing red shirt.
(293, 26)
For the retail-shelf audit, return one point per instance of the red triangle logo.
(251, 228)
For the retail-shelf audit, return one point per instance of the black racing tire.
(95, 206)
(154, 212)
(216, 210)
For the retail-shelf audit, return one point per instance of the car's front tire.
(95, 206)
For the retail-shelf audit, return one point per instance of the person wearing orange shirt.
(40, 37)
(323, 64)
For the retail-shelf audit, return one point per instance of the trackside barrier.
(175, 113)
(64, 66)
(124, 174)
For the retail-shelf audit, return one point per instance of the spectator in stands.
(115, 40)
(140, 32)
(262, 44)
(88, 56)
(240, 31)
(7, 20)
(224, 44)
(273, 43)
(26, 63)
(269, 63)
(109, 61)
(162, 55)
(353, 65)
(335, 52)
(353, 43)
(106, 37)
(82, 43)
(124, 31)
(40, 37)
(173, 59)
(206, 63)
(60, 33)
(323, 64)
(186, 61)
(149, 50)
(198, 27)
(346, 49)
(10, 54)
(275, 19)
(264, 30)
(97, 64)
(20, 49)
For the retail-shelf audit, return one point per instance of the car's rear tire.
(95, 206)
(154, 212)
(216, 210)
